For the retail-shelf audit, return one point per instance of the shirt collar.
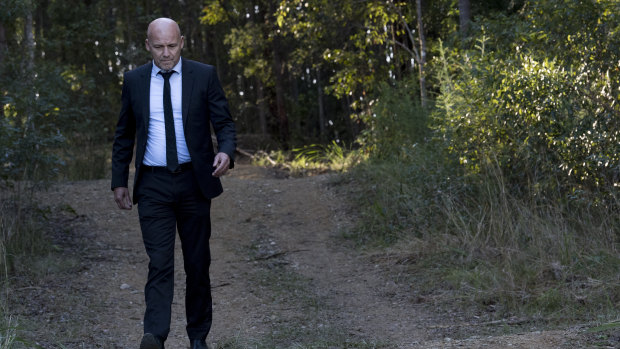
(176, 68)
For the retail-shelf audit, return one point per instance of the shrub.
(538, 100)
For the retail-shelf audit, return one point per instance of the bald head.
(165, 42)
(165, 24)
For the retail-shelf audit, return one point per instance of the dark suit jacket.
(203, 104)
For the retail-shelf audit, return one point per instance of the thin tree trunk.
(321, 97)
(200, 45)
(29, 76)
(3, 43)
(464, 17)
(280, 100)
(262, 109)
(218, 66)
(293, 93)
(422, 62)
(165, 8)
(3, 50)
(29, 44)
(354, 127)
(393, 59)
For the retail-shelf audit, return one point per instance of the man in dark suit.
(168, 107)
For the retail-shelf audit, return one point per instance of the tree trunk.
(128, 23)
(393, 59)
(354, 125)
(216, 55)
(29, 45)
(262, 109)
(278, 69)
(29, 81)
(292, 89)
(200, 47)
(321, 105)
(165, 8)
(422, 61)
(3, 43)
(464, 17)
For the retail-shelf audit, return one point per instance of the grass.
(26, 253)
(311, 159)
(88, 160)
(490, 248)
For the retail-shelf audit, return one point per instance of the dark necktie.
(172, 161)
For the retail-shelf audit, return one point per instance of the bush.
(512, 206)
(468, 238)
(394, 121)
(542, 109)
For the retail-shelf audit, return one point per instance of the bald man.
(168, 108)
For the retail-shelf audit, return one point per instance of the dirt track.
(282, 277)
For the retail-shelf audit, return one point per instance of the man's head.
(165, 42)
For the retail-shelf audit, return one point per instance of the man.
(168, 107)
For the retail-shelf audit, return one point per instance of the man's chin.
(165, 65)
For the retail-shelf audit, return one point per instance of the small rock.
(125, 287)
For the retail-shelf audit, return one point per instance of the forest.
(480, 138)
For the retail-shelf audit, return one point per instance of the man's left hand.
(221, 164)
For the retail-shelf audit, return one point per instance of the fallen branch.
(245, 153)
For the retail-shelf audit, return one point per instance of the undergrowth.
(22, 241)
(503, 250)
(311, 159)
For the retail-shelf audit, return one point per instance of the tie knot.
(166, 75)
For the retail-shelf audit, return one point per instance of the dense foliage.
(538, 96)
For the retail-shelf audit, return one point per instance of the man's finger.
(220, 163)
(122, 198)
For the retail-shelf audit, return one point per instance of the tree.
(464, 17)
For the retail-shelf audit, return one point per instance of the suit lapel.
(145, 87)
(187, 83)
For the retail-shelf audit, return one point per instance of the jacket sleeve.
(222, 122)
(124, 139)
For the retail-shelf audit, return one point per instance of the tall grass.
(7, 321)
(22, 239)
(479, 237)
(86, 160)
(492, 246)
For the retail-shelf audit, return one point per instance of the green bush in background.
(538, 97)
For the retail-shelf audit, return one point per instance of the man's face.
(165, 43)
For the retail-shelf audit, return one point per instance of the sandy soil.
(282, 277)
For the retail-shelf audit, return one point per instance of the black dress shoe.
(198, 344)
(150, 341)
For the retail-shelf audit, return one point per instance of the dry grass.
(483, 244)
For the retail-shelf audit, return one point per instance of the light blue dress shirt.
(156, 141)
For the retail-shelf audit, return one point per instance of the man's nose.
(166, 51)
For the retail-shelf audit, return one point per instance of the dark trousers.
(167, 201)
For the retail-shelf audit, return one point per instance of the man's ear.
(182, 41)
(146, 44)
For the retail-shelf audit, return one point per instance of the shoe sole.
(150, 342)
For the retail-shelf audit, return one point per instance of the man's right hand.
(122, 198)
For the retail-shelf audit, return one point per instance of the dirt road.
(282, 277)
